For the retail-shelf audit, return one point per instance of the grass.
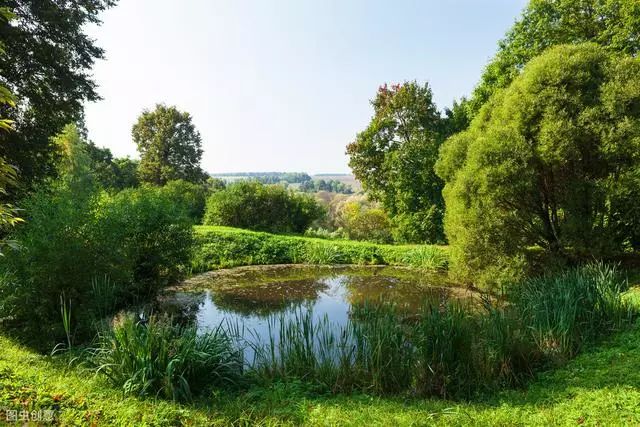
(449, 349)
(599, 387)
(160, 358)
(221, 247)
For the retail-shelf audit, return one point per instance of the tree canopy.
(170, 146)
(46, 66)
(613, 24)
(552, 161)
(394, 156)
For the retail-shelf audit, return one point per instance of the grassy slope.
(229, 247)
(598, 387)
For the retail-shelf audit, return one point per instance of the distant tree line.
(269, 177)
(331, 185)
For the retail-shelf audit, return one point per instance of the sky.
(282, 85)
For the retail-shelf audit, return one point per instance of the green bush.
(191, 197)
(148, 236)
(254, 206)
(160, 358)
(360, 221)
(85, 248)
(549, 162)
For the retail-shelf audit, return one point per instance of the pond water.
(250, 298)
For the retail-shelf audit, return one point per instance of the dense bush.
(255, 206)
(159, 358)
(137, 239)
(87, 251)
(191, 197)
(148, 236)
(552, 161)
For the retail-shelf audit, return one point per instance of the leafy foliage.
(395, 154)
(613, 24)
(220, 247)
(359, 221)
(546, 163)
(169, 146)
(72, 235)
(46, 66)
(251, 205)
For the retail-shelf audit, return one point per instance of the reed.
(160, 358)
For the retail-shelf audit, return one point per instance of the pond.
(251, 300)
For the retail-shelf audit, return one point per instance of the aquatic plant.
(156, 357)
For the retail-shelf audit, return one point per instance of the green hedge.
(220, 247)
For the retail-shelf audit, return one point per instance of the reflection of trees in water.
(401, 293)
(182, 307)
(267, 299)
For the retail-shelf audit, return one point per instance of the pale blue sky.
(283, 85)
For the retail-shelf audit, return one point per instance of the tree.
(169, 146)
(126, 173)
(8, 173)
(553, 162)
(394, 156)
(112, 173)
(613, 24)
(45, 65)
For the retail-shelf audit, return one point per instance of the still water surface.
(249, 299)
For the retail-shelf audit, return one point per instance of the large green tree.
(553, 162)
(46, 66)
(394, 157)
(8, 173)
(613, 24)
(169, 146)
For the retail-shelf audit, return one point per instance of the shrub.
(545, 164)
(148, 237)
(191, 197)
(160, 358)
(361, 221)
(261, 207)
(137, 239)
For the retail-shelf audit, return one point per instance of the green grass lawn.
(599, 387)
(220, 247)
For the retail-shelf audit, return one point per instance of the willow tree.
(552, 161)
(613, 24)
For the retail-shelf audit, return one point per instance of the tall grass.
(566, 310)
(450, 349)
(160, 358)
(425, 256)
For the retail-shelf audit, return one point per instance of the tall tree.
(613, 24)
(394, 158)
(8, 173)
(45, 65)
(553, 162)
(169, 146)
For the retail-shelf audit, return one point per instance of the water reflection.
(246, 298)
